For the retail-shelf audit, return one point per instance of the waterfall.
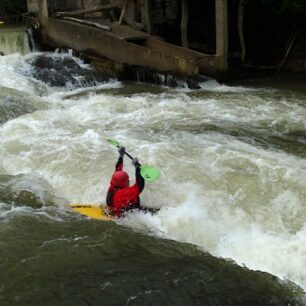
(14, 40)
(31, 39)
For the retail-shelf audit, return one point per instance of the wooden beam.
(240, 29)
(221, 33)
(123, 12)
(288, 48)
(184, 23)
(133, 24)
(89, 10)
(145, 14)
(97, 25)
(43, 11)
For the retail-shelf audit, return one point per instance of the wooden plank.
(95, 24)
(89, 10)
(241, 6)
(145, 15)
(288, 48)
(123, 12)
(184, 23)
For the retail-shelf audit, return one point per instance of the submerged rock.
(21, 190)
(14, 103)
(63, 70)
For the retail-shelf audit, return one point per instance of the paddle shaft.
(129, 156)
(150, 174)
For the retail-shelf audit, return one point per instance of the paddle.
(150, 174)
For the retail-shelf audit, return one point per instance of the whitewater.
(232, 159)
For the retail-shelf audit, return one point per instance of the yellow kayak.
(92, 211)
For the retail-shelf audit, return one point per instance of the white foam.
(226, 196)
(11, 67)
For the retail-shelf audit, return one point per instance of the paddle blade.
(113, 142)
(150, 174)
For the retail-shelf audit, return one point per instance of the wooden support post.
(95, 24)
(145, 14)
(123, 12)
(43, 11)
(131, 10)
(33, 6)
(240, 29)
(288, 48)
(184, 23)
(90, 10)
(221, 34)
(3, 15)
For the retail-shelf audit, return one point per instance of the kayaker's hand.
(121, 151)
(135, 162)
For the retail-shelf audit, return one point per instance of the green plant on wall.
(13, 7)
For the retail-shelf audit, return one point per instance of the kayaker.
(122, 197)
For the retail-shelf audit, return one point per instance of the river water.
(232, 186)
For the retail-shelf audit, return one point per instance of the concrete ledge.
(82, 38)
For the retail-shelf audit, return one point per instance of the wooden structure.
(129, 38)
(3, 15)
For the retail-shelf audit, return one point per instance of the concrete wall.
(153, 54)
(89, 39)
(221, 34)
(32, 6)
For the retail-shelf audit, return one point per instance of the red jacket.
(123, 199)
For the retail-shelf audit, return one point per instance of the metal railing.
(26, 19)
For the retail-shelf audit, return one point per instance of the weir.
(128, 41)
(14, 39)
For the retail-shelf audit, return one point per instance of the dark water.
(82, 262)
(231, 226)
